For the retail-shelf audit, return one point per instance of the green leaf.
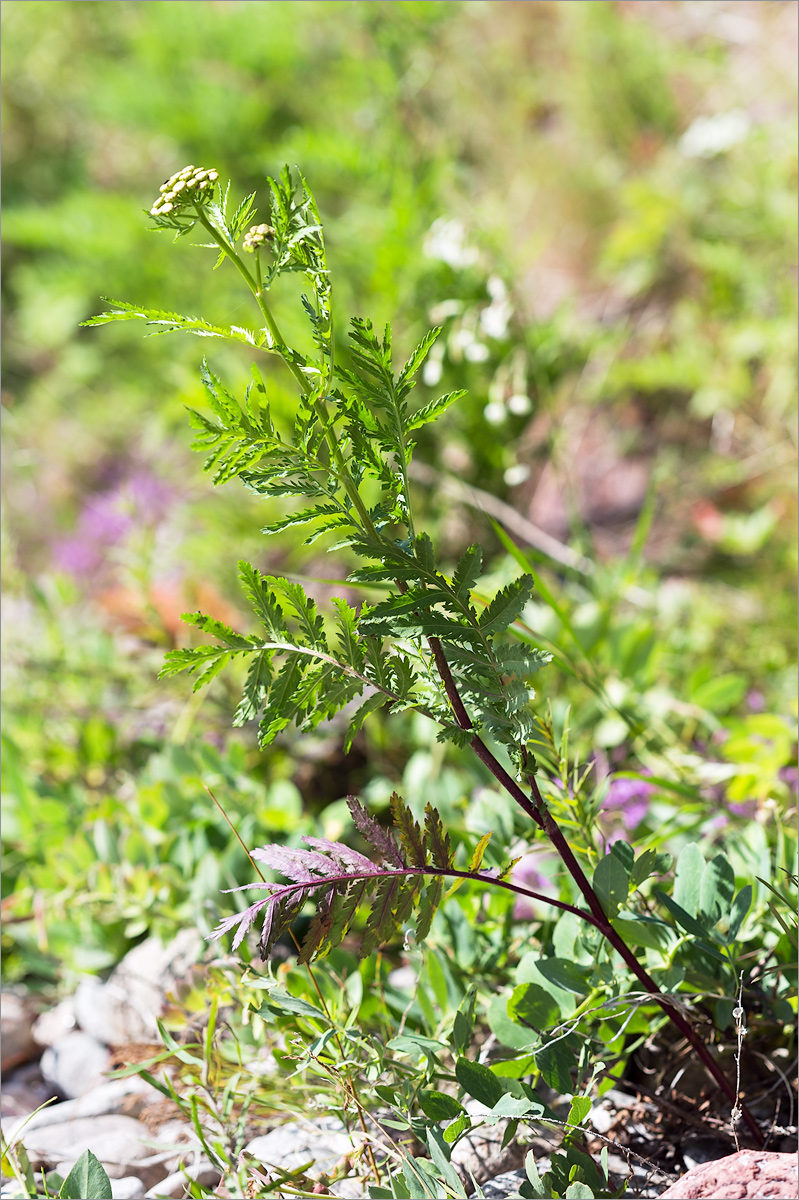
(644, 931)
(580, 1108)
(554, 1061)
(514, 1107)
(508, 1032)
(457, 1127)
(433, 410)
(408, 831)
(371, 704)
(478, 1081)
(740, 908)
(87, 1180)
(435, 839)
(256, 688)
(438, 1106)
(479, 851)
(464, 1020)
(578, 1191)
(625, 854)
(530, 1005)
(467, 573)
(565, 974)
(506, 606)
(720, 693)
(611, 882)
(649, 863)
(278, 1000)
(531, 1170)
(439, 1153)
(716, 890)
(688, 879)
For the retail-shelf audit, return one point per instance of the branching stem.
(537, 809)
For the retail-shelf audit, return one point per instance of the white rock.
(16, 1018)
(75, 1063)
(126, 1096)
(321, 1142)
(54, 1023)
(117, 1141)
(174, 1186)
(125, 1008)
(127, 1188)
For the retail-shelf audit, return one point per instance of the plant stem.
(537, 809)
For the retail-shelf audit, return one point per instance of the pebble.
(74, 1063)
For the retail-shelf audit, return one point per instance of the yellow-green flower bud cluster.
(191, 185)
(256, 235)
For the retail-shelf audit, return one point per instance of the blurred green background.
(597, 202)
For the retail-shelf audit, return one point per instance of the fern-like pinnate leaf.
(407, 875)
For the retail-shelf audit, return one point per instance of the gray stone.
(117, 1141)
(56, 1022)
(503, 1186)
(75, 1063)
(23, 1091)
(17, 1044)
(322, 1142)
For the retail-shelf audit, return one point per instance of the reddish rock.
(748, 1175)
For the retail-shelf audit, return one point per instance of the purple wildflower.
(529, 872)
(630, 799)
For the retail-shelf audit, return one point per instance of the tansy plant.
(427, 645)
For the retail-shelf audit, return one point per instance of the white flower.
(446, 240)
(707, 136)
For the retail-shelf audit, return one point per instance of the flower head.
(256, 235)
(191, 185)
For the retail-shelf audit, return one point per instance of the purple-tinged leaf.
(243, 919)
(342, 854)
(303, 866)
(378, 838)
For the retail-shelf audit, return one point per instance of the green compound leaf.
(506, 606)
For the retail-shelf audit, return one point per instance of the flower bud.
(256, 235)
